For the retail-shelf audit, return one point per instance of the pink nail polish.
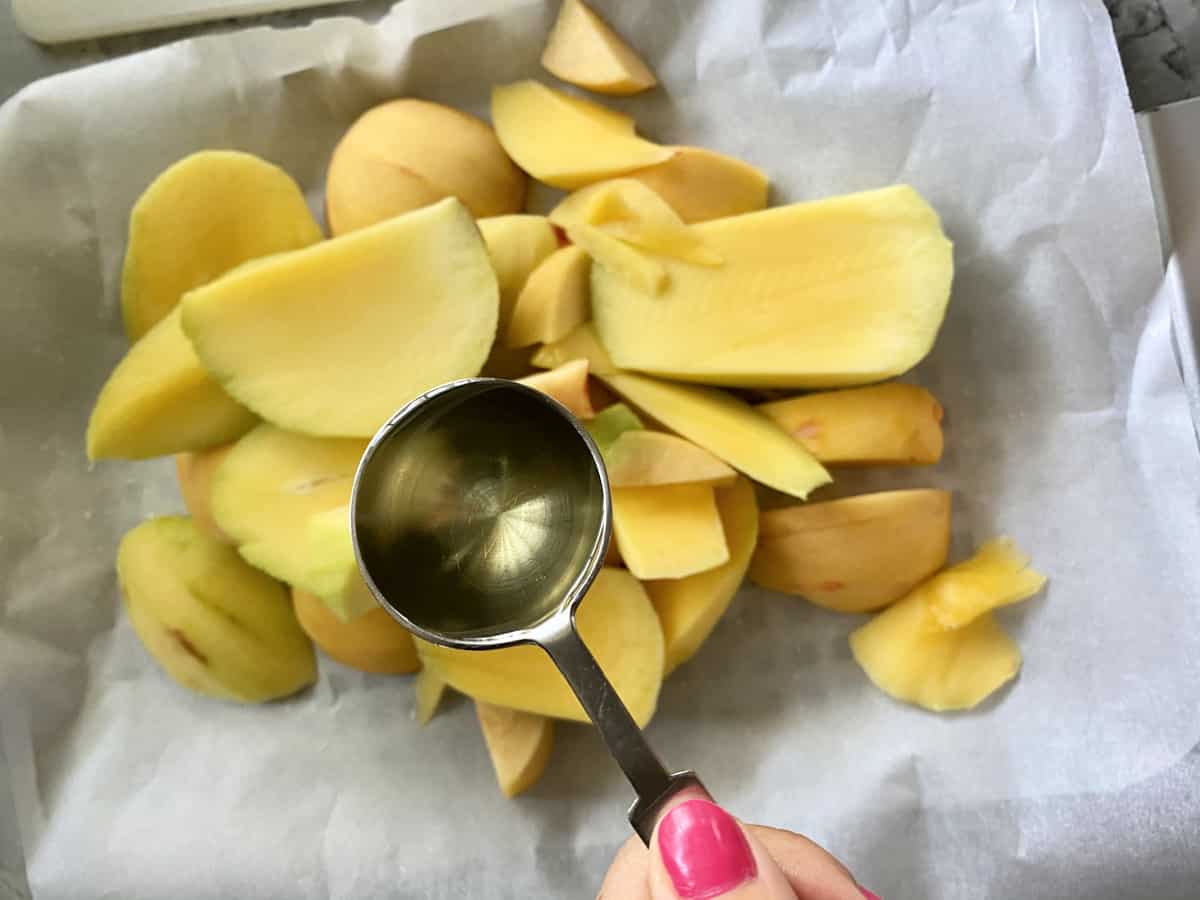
(704, 850)
(869, 895)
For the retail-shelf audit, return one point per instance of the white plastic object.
(56, 21)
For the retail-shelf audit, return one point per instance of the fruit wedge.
(702, 184)
(554, 301)
(647, 458)
(832, 293)
(334, 339)
(627, 209)
(568, 384)
(610, 423)
(582, 343)
(911, 655)
(669, 530)
(897, 424)
(208, 213)
(409, 153)
(583, 50)
(624, 261)
(516, 245)
(727, 428)
(566, 141)
(195, 472)
(689, 608)
(264, 496)
(214, 624)
(855, 554)
(159, 401)
(519, 744)
(374, 642)
(429, 690)
(617, 623)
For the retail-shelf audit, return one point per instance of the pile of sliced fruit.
(264, 356)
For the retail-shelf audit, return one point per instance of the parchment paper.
(1067, 428)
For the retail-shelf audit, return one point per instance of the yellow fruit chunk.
(429, 690)
(555, 299)
(669, 530)
(898, 424)
(689, 608)
(159, 401)
(940, 647)
(519, 744)
(405, 154)
(334, 339)
(646, 458)
(516, 245)
(583, 50)
(609, 424)
(627, 263)
(855, 554)
(194, 472)
(203, 216)
(264, 496)
(617, 623)
(701, 184)
(374, 642)
(997, 575)
(213, 623)
(582, 343)
(629, 210)
(832, 293)
(727, 428)
(565, 141)
(568, 384)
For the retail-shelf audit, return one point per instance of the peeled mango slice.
(214, 624)
(727, 428)
(884, 424)
(264, 495)
(517, 245)
(429, 689)
(519, 744)
(627, 209)
(408, 153)
(583, 50)
(610, 423)
(647, 458)
(332, 340)
(669, 530)
(617, 623)
(910, 655)
(374, 642)
(568, 384)
(582, 343)
(702, 184)
(207, 214)
(159, 401)
(555, 300)
(689, 608)
(832, 293)
(855, 554)
(628, 263)
(195, 472)
(566, 141)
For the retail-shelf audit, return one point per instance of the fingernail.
(869, 895)
(704, 851)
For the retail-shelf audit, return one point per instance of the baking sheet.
(1068, 427)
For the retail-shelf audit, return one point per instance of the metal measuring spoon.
(481, 514)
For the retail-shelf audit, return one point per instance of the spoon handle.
(651, 782)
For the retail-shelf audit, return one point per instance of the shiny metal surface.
(481, 514)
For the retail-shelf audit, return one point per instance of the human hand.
(699, 852)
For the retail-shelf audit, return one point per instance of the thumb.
(699, 851)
